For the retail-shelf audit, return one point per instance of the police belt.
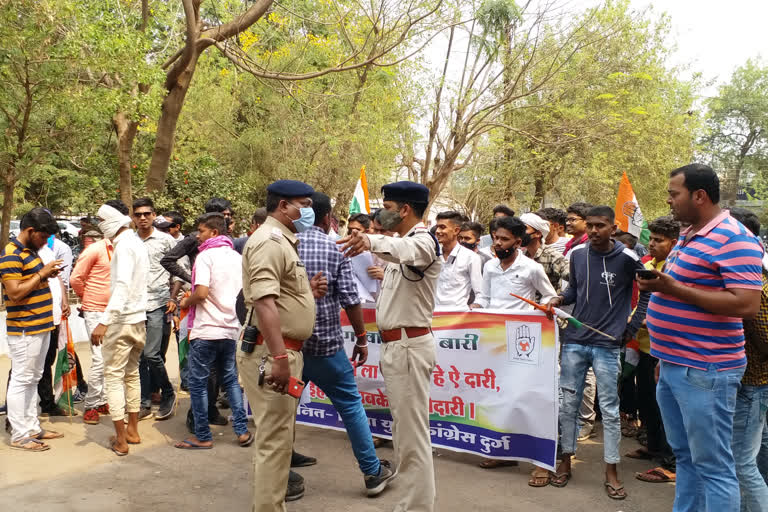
(396, 334)
(290, 343)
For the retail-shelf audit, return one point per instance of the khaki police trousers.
(121, 349)
(407, 365)
(274, 415)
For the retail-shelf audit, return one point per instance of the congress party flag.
(628, 215)
(65, 378)
(360, 202)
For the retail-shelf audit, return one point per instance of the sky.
(713, 38)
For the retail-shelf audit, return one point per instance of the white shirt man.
(524, 278)
(460, 277)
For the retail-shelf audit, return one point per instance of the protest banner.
(494, 386)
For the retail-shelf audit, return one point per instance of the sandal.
(117, 452)
(560, 479)
(496, 463)
(657, 475)
(248, 441)
(186, 444)
(540, 478)
(47, 435)
(30, 444)
(640, 454)
(615, 493)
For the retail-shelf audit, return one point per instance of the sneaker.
(295, 489)
(165, 410)
(145, 413)
(91, 417)
(78, 396)
(103, 409)
(587, 431)
(299, 461)
(375, 484)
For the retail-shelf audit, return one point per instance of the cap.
(536, 222)
(290, 188)
(162, 223)
(406, 192)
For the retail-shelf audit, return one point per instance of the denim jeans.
(336, 378)
(697, 408)
(575, 361)
(204, 355)
(152, 367)
(750, 439)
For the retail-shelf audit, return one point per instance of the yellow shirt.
(271, 266)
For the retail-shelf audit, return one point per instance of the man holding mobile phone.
(29, 324)
(325, 362)
(279, 293)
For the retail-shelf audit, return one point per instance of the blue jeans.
(335, 377)
(697, 407)
(750, 440)
(203, 355)
(574, 363)
(151, 366)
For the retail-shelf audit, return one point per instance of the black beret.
(290, 188)
(406, 192)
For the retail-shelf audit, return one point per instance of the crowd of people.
(680, 361)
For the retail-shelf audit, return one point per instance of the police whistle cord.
(559, 313)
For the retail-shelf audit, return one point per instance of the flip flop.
(540, 479)
(47, 435)
(613, 492)
(560, 479)
(656, 476)
(114, 438)
(115, 450)
(24, 444)
(640, 454)
(248, 442)
(186, 444)
(495, 463)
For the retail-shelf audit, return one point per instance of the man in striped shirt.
(29, 324)
(712, 279)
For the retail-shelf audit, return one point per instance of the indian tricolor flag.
(360, 202)
(629, 218)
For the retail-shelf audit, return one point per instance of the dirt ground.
(81, 474)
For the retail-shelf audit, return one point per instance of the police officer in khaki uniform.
(404, 316)
(281, 305)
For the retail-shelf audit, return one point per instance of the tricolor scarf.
(217, 241)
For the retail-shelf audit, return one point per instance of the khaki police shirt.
(406, 300)
(271, 266)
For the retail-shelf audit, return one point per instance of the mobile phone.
(295, 387)
(645, 274)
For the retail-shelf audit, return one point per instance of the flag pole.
(69, 377)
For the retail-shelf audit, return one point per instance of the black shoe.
(57, 411)
(165, 410)
(295, 489)
(375, 484)
(299, 461)
(218, 420)
(223, 403)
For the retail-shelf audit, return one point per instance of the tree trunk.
(539, 190)
(166, 128)
(8, 186)
(126, 129)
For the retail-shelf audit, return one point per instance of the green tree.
(737, 124)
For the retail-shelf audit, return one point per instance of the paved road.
(80, 474)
